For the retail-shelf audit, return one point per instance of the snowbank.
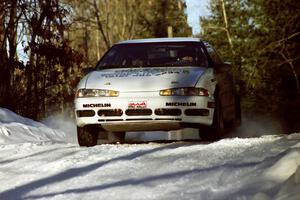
(18, 129)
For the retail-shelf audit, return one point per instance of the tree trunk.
(100, 26)
(293, 69)
(227, 27)
(8, 35)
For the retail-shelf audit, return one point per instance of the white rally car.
(156, 84)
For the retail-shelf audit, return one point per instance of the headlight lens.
(188, 91)
(96, 93)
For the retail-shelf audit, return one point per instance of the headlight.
(96, 93)
(188, 91)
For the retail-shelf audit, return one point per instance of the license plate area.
(137, 104)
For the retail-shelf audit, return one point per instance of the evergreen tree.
(156, 16)
(261, 39)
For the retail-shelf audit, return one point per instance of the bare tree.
(10, 13)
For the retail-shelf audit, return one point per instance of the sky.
(195, 9)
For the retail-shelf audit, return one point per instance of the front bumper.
(144, 112)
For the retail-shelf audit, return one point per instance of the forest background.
(46, 45)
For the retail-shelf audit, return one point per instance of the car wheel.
(216, 130)
(116, 137)
(87, 136)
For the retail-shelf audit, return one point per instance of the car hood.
(143, 79)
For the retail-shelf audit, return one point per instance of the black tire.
(87, 136)
(116, 137)
(216, 130)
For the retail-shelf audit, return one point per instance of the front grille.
(139, 119)
(138, 112)
(172, 119)
(169, 111)
(109, 120)
(85, 113)
(110, 112)
(196, 112)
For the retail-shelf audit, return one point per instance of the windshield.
(154, 55)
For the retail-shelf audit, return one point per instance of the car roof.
(153, 40)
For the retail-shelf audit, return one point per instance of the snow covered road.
(259, 168)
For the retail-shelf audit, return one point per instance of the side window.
(202, 58)
(213, 54)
